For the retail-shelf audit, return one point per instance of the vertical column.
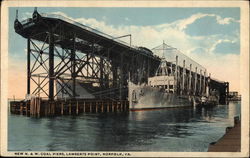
(227, 89)
(114, 72)
(208, 86)
(73, 68)
(190, 79)
(176, 75)
(87, 64)
(148, 69)
(200, 92)
(183, 77)
(92, 59)
(195, 81)
(204, 82)
(39, 85)
(51, 66)
(28, 66)
(101, 72)
(107, 78)
(121, 78)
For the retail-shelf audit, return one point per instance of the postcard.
(124, 78)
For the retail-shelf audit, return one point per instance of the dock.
(38, 107)
(230, 141)
(92, 69)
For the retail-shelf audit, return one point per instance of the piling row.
(39, 107)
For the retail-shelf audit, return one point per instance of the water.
(185, 129)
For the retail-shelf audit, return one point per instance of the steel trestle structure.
(63, 54)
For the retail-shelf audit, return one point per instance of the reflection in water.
(182, 129)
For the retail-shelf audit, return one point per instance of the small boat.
(209, 100)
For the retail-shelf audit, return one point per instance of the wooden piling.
(31, 102)
(102, 107)
(77, 110)
(62, 107)
(117, 107)
(34, 107)
(108, 106)
(113, 107)
(121, 108)
(90, 107)
(84, 110)
(49, 108)
(53, 108)
(125, 105)
(96, 107)
(31, 106)
(21, 108)
(69, 108)
(46, 109)
(26, 108)
(38, 107)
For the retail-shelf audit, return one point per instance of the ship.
(158, 93)
(173, 84)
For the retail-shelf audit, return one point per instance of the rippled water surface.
(185, 129)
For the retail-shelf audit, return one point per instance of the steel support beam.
(101, 73)
(121, 77)
(190, 79)
(204, 83)
(176, 75)
(28, 66)
(183, 78)
(227, 89)
(200, 90)
(51, 66)
(114, 71)
(195, 81)
(73, 68)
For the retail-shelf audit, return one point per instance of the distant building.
(234, 96)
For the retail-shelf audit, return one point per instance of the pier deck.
(230, 142)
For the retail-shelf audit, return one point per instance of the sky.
(210, 36)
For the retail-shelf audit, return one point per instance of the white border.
(244, 70)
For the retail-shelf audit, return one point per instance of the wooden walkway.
(230, 141)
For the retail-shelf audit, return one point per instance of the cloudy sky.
(210, 36)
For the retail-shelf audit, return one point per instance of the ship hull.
(147, 97)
